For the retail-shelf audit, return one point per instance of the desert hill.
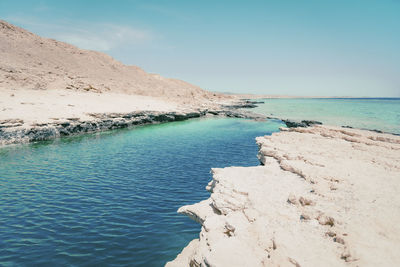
(29, 61)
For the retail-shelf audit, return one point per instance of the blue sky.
(294, 47)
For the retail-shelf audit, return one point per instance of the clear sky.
(321, 47)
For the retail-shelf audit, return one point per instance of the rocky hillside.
(29, 61)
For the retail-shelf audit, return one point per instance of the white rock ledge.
(326, 196)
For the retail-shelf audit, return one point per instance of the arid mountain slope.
(29, 61)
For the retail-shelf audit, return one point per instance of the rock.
(253, 212)
(330, 234)
(293, 124)
(292, 199)
(306, 202)
(310, 123)
(15, 131)
(339, 240)
(303, 123)
(242, 104)
(326, 220)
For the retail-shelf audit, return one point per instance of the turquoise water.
(110, 199)
(377, 113)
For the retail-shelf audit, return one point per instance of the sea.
(111, 198)
(382, 114)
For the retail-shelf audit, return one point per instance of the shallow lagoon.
(369, 113)
(110, 199)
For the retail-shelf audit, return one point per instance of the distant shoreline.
(251, 96)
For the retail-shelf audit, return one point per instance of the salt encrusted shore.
(29, 116)
(325, 196)
(13, 131)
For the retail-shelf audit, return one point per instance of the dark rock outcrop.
(13, 131)
(244, 104)
(303, 123)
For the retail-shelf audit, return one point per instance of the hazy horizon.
(312, 48)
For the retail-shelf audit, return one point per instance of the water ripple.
(111, 199)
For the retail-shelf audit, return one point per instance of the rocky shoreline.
(14, 131)
(19, 130)
(323, 196)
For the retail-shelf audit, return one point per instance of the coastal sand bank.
(37, 115)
